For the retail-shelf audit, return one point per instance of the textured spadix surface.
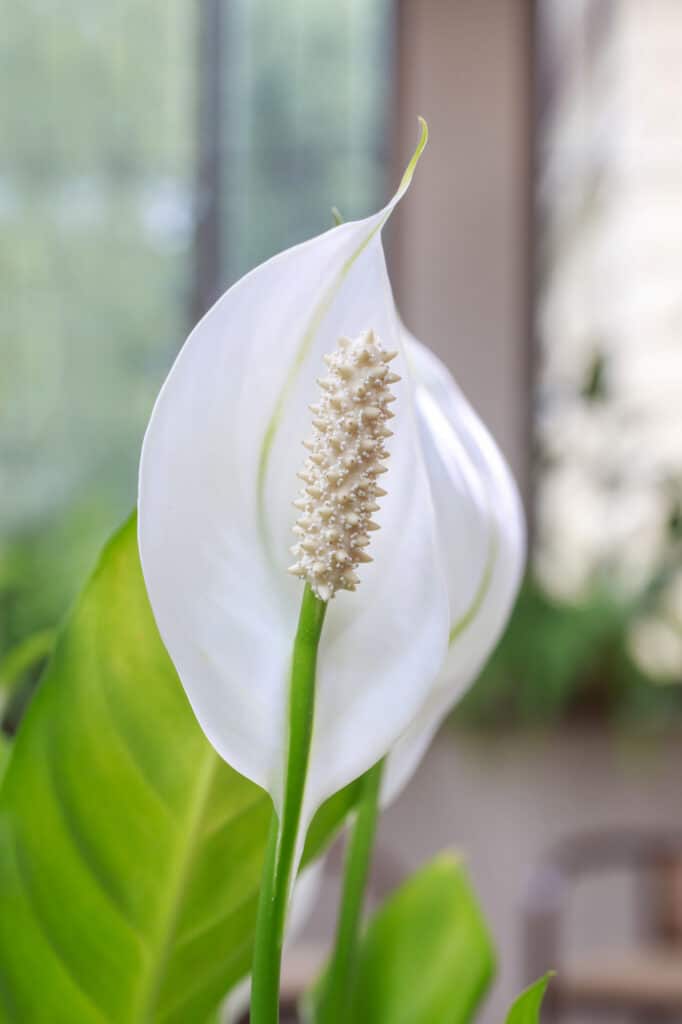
(346, 461)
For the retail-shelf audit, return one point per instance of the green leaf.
(526, 1008)
(426, 957)
(130, 854)
(4, 755)
(25, 655)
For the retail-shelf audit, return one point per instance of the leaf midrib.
(163, 941)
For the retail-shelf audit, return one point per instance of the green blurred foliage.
(95, 215)
(559, 661)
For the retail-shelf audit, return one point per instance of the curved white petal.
(481, 538)
(217, 479)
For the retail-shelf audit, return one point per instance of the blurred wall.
(459, 248)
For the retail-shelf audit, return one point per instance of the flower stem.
(338, 983)
(281, 848)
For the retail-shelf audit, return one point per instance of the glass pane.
(306, 88)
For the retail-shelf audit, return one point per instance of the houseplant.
(148, 857)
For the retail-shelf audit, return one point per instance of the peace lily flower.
(218, 483)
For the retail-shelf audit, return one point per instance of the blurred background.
(153, 153)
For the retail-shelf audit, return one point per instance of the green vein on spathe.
(318, 315)
(465, 620)
(409, 170)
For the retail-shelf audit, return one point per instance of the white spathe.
(217, 483)
(481, 533)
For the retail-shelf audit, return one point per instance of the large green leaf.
(130, 854)
(426, 957)
(526, 1008)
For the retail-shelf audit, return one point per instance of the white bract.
(482, 545)
(218, 482)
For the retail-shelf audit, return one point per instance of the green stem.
(281, 848)
(338, 983)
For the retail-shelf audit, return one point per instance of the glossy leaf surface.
(130, 853)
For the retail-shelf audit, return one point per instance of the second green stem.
(338, 983)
